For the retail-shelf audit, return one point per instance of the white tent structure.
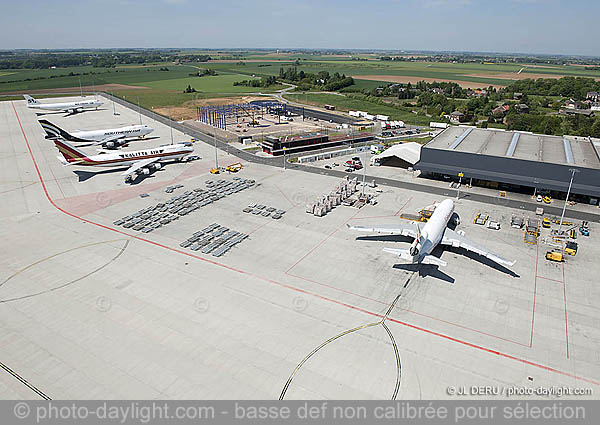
(407, 152)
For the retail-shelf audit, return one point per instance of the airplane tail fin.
(30, 100)
(54, 131)
(70, 153)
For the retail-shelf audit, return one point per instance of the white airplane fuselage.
(64, 106)
(133, 131)
(433, 231)
(73, 156)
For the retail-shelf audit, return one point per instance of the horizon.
(523, 27)
(304, 49)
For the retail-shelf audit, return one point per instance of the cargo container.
(438, 125)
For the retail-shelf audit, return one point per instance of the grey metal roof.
(567, 150)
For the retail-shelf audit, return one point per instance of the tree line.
(322, 80)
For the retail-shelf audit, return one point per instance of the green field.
(345, 103)
(208, 84)
(480, 74)
(165, 87)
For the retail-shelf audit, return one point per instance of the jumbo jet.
(138, 162)
(434, 232)
(110, 138)
(70, 107)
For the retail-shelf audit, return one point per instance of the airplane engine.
(145, 171)
(110, 145)
(157, 166)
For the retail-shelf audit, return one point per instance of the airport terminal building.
(518, 161)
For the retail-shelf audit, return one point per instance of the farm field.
(467, 74)
(472, 75)
(161, 85)
(345, 103)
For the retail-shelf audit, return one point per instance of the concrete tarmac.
(89, 309)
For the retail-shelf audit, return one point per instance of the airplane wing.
(452, 238)
(139, 165)
(112, 138)
(404, 229)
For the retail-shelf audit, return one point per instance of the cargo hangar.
(515, 161)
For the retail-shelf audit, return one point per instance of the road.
(277, 162)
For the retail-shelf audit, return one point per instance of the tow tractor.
(555, 256)
(234, 168)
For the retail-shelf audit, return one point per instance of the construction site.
(250, 122)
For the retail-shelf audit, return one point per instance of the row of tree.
(105, 59)
(573, 87)
(257, 82)
(322, 80)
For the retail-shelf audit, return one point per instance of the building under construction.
(224, 116)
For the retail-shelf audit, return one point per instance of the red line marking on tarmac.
(547, 278)
(293, 288)
(565, 300)
(405, 309)
(537, 251)
(286, 198)
(402, 207)
(321, 243)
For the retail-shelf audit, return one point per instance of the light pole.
(216, 152)
(460, 176)
(284, 149)
(364, 174)
(573, 171)
(113, 99)
(139, 110)
(171, 125)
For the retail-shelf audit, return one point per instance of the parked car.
(349, 170)
(328, 167)
(539, 198)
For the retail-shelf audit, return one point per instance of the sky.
(511, 26)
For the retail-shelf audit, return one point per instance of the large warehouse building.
(515, 160)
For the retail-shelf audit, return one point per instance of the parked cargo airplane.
(139, 162)
(110, 138)
(435, 232)
(70, 107)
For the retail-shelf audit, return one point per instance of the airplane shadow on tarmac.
(426, 270)
(38, 113)
(86, 175)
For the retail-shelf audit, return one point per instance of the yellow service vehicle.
(555, 256)
(547, 199)
(234, 168)
(214, 171)
(546, 222)
(571, 248)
